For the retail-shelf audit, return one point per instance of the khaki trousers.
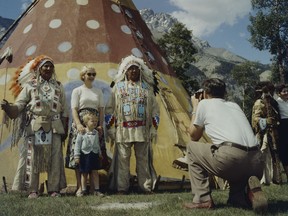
(229, 163)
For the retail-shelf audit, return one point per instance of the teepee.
(99, 33)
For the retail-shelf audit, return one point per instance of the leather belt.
(132, 124)
(235, 145)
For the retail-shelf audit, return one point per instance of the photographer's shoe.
(256, 196)
(203, 205)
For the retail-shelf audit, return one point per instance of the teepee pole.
(9, 57)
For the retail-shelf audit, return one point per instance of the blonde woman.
(84, 99)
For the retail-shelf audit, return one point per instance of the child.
(88, 154)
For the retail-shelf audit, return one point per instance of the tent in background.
(98, 33)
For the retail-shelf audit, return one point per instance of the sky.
(223, 23)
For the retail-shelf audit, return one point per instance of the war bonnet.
(146, 74)
(27, 72)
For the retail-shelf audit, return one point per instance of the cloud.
(204, 17)
(229, 46)
(242, 34)
(25, 4)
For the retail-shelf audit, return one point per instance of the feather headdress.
(27, 72)
(146, 74)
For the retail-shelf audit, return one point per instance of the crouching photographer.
(234, 147)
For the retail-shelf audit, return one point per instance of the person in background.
(87, 153)
(41, 116)
(282, 92)
(233, 155)
(85, 99)
(265, 122)
(134, 110)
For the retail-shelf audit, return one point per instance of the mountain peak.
(160, 22)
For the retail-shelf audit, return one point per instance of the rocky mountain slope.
(4, 25)
(210, 61)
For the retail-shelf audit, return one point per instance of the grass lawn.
(158, 204)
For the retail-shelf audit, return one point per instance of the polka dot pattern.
(28, 28)
(115, 8)
(31, 50)
(86, 31)
(163, 80)
(93, 24)
(49, 3)
(164, 60)
(4, 79)
(136, 52)
(102, 48)
(112, 73)
(73, 73)
(55, 23)
(82, 2)
(126, 29)
(64, 46)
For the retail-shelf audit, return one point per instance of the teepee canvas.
(98, 33)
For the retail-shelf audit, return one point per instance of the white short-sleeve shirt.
(224, 121)
(283, 108)
(83, 97)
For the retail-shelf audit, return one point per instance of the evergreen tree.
(179, 50)
(246, 76)
(269, 31)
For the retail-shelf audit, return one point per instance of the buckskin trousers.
(142, 168)
(56, 173)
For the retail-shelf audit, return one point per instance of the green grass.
(164, 204)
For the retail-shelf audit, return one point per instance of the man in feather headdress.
(135, 112)
(40, 115)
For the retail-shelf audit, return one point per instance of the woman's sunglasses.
(91, 74)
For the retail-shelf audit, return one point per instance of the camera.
(198, 93)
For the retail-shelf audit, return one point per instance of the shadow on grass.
(274, 208)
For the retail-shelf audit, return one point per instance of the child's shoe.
(55, 194)
(82, 193)
(98, 193)
(33, 195)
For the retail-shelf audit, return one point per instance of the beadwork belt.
(132, 124)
